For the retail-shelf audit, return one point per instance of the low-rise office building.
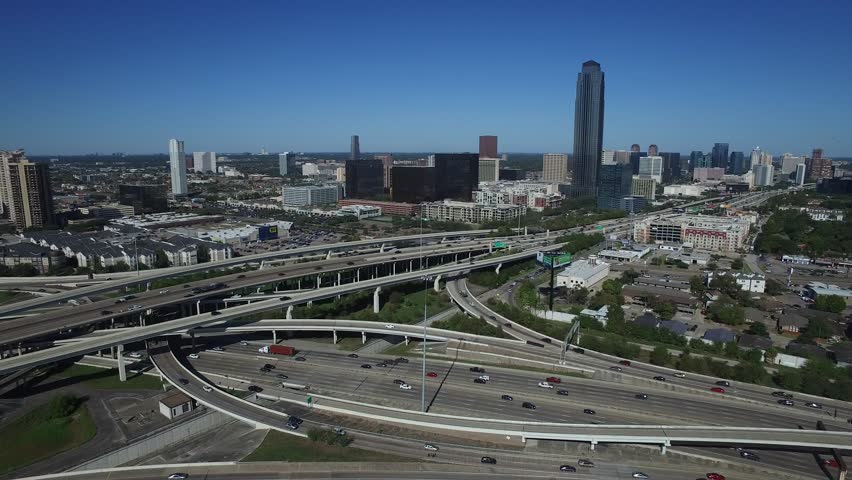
(452, 211)
(815, 290)
(310, 195)
(583, 273)
(748, 282)
(715, 234)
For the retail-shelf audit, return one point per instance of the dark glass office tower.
(143, 198)
(736, 164)
(413, 184)
(695, 158)
(588, 128)
(719, 155)
(364, 178)
(488, 146)
(634, 160)
(614, 183)
(355, 148)
(671, 166)
(457, 175)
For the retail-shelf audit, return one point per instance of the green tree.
(660, 356)
(615, 319)
(758, 328)
(819, 328)
(732, 350)
(578, 295)
(712, 266)
(697, 286)
(726, 284)
(665, 310)
(737, 264)
(23, 270)
(830, 303)
(774, 287)
(203, 253)
(161, 260)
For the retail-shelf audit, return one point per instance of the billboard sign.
(267, 232)
(554, 259)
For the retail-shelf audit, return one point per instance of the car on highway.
(641, 396)
(284, 298)
(390, 325)
(660, 378)
(300, 359)
(830, 462)
(243, 343)
(479, 380)
(787, 402)
(106, 312)
(254, 389)
(477, 369)
(215, 312)
(217, 349)
(529, 405)
(264, 370)
(207, 388)
(269, 366)
(578, 350)
(183, 381)
(813, 405)
(508, 398)
(485, 377)
(562, 391)
(723, 383)
(178, 476)
(400, 360)
(749, 455)
(338, 431)
(679, 375)
(567, 468)
(432, 375)
(584, 462)
(134, 355)
(782, 394)
(489, 460)
(616, 368)
(382, 364)
(294, 422)
(193, 356)
(553, 380)
(544, 385)
(366, 365)
(640, 475)
(282, 376)
(405, 386)
(352, 355)
(626, 363)
(717, 390)
(430, 447)
(715, 476)
(399, 382)
(588, 411)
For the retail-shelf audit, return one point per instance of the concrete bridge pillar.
(525, 231)
(406, 340)
(122, 373)
(497, 270)
(141, 320)
(299, 284)
(394, 268)
(594, 442)
(663, 449)
(290, 312)
(437, 285)
(274, 336)
(410, 265)
(490, 247)
(358, 275)
(318, 281)
(363, 338)
(147, 286)
(198, 306)
(547, 234)
(456, 257)
(328, 256)
(334, 336)
(310, 302)
(339, 281)
(20, 350)
(376, 302)
(262, 262)
(382, 248)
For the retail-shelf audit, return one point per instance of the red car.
(717, 390)
(831, 463)
(715, 476)
(553, 380)
(626, 363)
(432, 375)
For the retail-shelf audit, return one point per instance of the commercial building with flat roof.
(645, 187)
(555, 167)
(815, 289)
(387, 208)
(450, 211)
(583, 273)
(310, 195)
(716, 234)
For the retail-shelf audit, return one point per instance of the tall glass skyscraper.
(588, 129)
(355, 148)
(177, 167)
(719, 155)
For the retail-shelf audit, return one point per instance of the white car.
(544, 385)
(431, 447)
(813, 405)
(243, 343)
(207, 388)
(163, 292)
(389, 325)
(193, 356)
(679, 375)
(485, 377)
(178, 476)
(640, 475)
(134, 355)
(405, 386)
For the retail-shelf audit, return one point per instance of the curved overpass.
(170, 366)
(142, 333)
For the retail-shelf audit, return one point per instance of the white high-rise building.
(763, 175)
(651, 166)
(789, 163)
(608, 157)
(177, 167)
(489, 170)
(309, 169)
(286, 163)
(203, 162)
(765, 158)
(800, 174)
(555, 167)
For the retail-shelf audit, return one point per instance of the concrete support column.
(594, 442)
(406, 340)
(141, 320)
(437, 285)
(363, 338)
(274, 336)
(198, 306)
(122, 373)
(382, 248)
(376, 302)
(148, 286)
(547, 233)
(490, 247)
(328, 256)
(334, 336)
(410, 265)
(20, 350)
(290, 312)
(318, 281)
(111, 352)
(299, 284)
(456, 257)
(394, 268)
(339, 281)
(310, 302)
(358, 275)
(498, 268)
(663, 449)
(525, 231)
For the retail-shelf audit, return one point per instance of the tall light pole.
(136, 254)
(425, 293)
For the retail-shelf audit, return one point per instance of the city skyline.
(653, 97)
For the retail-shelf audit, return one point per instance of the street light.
(423, 346)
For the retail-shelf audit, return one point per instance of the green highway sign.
(600, 227)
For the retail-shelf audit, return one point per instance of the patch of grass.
(106, 378)
(402, 349)
(40, 434)
(9, 297)
(349, 344)
(281, 447)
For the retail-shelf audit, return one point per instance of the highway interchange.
(331, 373)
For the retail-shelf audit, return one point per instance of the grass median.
(62, 423)
(104, 378)
(281, 447)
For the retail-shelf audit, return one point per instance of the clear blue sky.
(105, 76)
